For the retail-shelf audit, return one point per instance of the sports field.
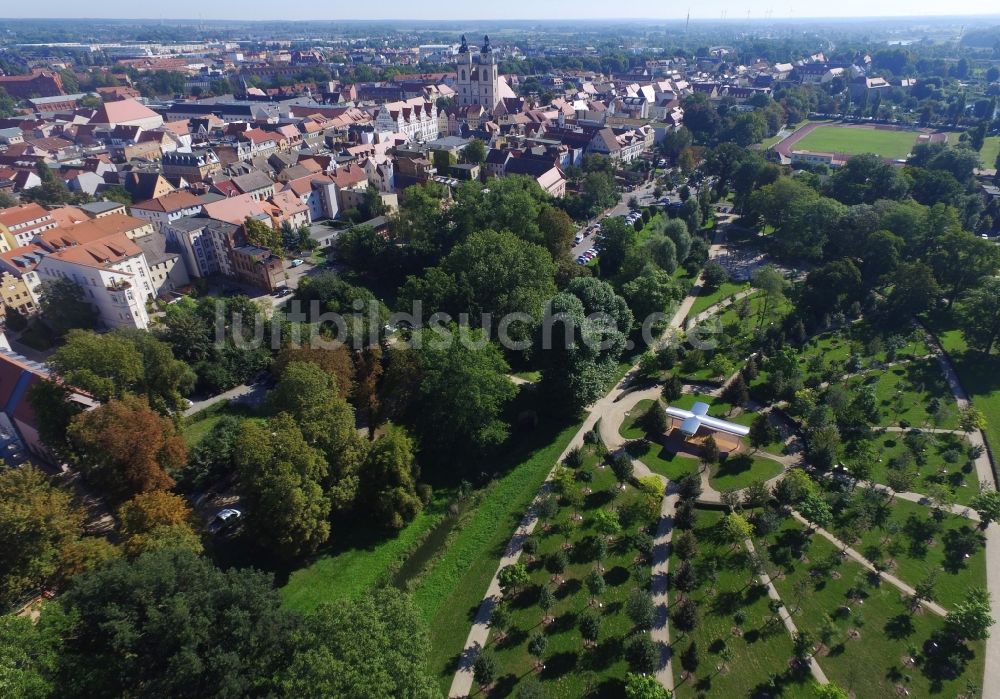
(887, 143)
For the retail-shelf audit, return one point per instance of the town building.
(477, 82)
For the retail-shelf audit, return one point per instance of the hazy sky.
(453, 9)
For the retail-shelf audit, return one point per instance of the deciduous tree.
(124, 447)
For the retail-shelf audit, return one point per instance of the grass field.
(913, 545)
(854, 141)
(706, 300)
(873, 660)
(195, 427)
(991, 149)
(351, 572)
(570, 667)
(760, 648)
(739, 471)
(449, 591)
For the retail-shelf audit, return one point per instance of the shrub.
(574, 458)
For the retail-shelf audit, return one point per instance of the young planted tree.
(590, 627)
(685, 616)
(512, 578)
(621, 465)
(642, 654)
(762, 432)
(596, 584)
(640, 609)
(709, 451)
(484, 669)
(537, 645)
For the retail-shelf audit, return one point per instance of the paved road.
(251, 394)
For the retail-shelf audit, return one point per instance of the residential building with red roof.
(23, 223)
(112, 274)
(169, 207)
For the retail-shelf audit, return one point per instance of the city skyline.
(555, 10)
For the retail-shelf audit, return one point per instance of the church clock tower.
(477, 82)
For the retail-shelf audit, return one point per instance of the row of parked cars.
(587, 256)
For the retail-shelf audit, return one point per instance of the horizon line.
(616, 19)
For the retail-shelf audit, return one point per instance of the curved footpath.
(604, 410)
(609, 413)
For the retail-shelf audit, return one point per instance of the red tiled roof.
(175, 201)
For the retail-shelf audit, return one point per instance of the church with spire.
(477, 79)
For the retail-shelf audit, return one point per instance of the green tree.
(762, 432)
(484, 669)
(987, 505)
(170, 624)
(736, 529)
(376, 645)
(462, 392)
(113, 364)
(500, 273)
(281, 476)
(29, 655)
(829, 691)
(474, 152)
(641, 686)
(579, 351)
(512, 577)
(309, 395)
(388, 479)
(39, 524)
(970, 619)
(979, 315)
(641, 653)
(617, 238)
(262, 235)
(64, 307)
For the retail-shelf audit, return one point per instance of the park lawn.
(571, 669)
(740, 470)
(980, 377)
(916, 559)
(629, 429)
(755, 313)
(827, 355)
(707, 300)
(855, 141)
(991, 149)
(663, 461)
(872, 664)
(349, 573)
(763, 650)
(958, 476)
(195, 427)
(904, 392)
(448, 592)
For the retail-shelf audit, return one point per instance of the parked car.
(297, 262)
(282, 292)
(225, 521)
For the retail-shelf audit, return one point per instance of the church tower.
(477, 82)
